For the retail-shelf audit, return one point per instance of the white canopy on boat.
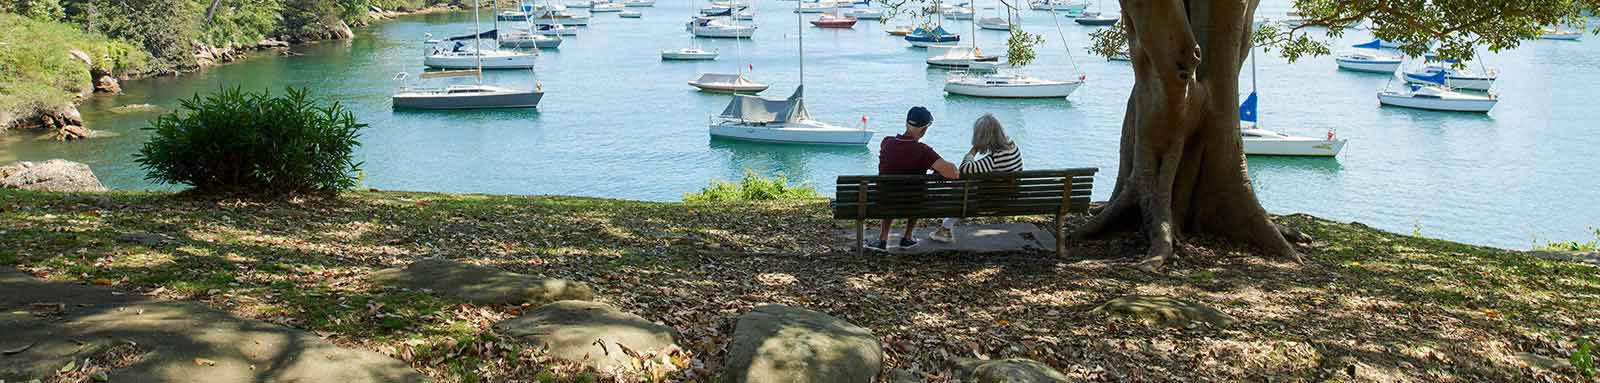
(765, 110)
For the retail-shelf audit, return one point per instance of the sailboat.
(1096, 18)
(1433, 94)
(731, 83)
(787, 121)
(1368, 59)
(474, 96)
(1014, 84)
(1458, 78)
(960, 57)
(1068, 6)
(710, 26)
(693, 52)
(460, 56)
(1264, 142)
(995, 23)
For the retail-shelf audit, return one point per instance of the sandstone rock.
(82, 56)
(270, 43)
(54, 176)
(777, 343)
(482, 285)
(1015, 370)
(593, 334)
(1164, 311)
(72, 132)
(107, 84)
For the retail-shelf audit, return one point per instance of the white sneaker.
(943, 235)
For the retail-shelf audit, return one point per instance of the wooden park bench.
(1031, 192)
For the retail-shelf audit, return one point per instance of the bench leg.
(861, 237)
(1061, 237)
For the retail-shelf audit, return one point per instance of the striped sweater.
(1009, 160)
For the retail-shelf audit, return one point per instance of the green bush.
(1592, 245)
(754, 187)
(36, 72)
(253, 143)
(42, 10)
(164, 27)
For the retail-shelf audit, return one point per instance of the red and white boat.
(829, 20)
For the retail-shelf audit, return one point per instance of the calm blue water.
(618, 122)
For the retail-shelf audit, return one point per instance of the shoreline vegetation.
(1365, 305)
(59, 52)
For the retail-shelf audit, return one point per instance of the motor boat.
(1462, 78)
(830, 20)
(1058, 5)
(957, 57)
(923, 38)
(527, 39)
(863, 13)
(1262, 142)
(1009, 85)
(712, 27)
(630, 14)
(1098, 19)
(723, 82)
(458, 55)
(752, 118)
(900, 30)
(639, 3)
(607, 7)
(559, 15)
(689, 54)
(1368, 61)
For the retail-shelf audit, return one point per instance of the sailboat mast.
(800, 25)
(477, 37)
(494, 11)
(1253, 84)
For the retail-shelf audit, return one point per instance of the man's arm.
(946, 169)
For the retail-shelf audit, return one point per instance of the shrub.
(754, 187)
(1592, 245)
(253, 143)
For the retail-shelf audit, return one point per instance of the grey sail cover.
(764, 110)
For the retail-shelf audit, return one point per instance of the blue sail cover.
(1433, 57)
(724, 12)
(1375, 44)
(937, 35)
(1247, 109)
(1436, 77)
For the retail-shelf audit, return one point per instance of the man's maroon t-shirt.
(904, 155)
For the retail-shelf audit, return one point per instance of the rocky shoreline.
(65, 123)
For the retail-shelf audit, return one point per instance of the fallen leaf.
(71, 365)
(204, 362)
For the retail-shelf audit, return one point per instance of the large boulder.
(53, 176)
(1015, 370)
(777, 343)
(482, 285)
(1164, 311)
(594, 334)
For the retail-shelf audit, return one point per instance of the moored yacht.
(1009, 85)
(1434, 95)
(713, 27)
(753, 118)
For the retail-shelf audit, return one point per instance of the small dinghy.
(689, 54)
(830, 20)
(863, 13)
(729, 83)
(1434, 95)
(900, 30)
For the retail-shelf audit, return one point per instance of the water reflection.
(792, 160)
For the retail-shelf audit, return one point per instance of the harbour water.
(616, 121)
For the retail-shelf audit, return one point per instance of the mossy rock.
(1014, 370)
(1163, 311)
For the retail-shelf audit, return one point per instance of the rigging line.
(1063, 36)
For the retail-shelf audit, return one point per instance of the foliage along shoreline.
(64, 51)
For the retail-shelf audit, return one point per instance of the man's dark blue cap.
(919, 117)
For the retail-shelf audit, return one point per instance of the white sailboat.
(1457, 78)
(693, 52)
(1013, 84)
(1435, 95)
(1059, 5)
(1368, 58)
(474, 96)
(787, 121)
(460, 56)
(959, 56)
(707, 26)
(1264, 142)
(995, 23)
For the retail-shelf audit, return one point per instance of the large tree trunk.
(1182, 167)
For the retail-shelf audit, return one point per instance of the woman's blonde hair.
(988, 136)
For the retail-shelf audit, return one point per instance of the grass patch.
(754, 187)
(1379, 305)
(37, 73)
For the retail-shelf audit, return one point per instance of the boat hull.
(470, 62)
(1049, 90)
(1469, 83)
(669, 55)
(499, 100)
(1097, 21)
(552, 43)
(1440, 104)
(783, 134)
(1297, 148)
(1369, 66)
(835, 24)
(1566, 37)
(725, 88)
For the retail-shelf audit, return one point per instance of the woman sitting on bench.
(999, 153)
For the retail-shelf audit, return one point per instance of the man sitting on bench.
(905, 154)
